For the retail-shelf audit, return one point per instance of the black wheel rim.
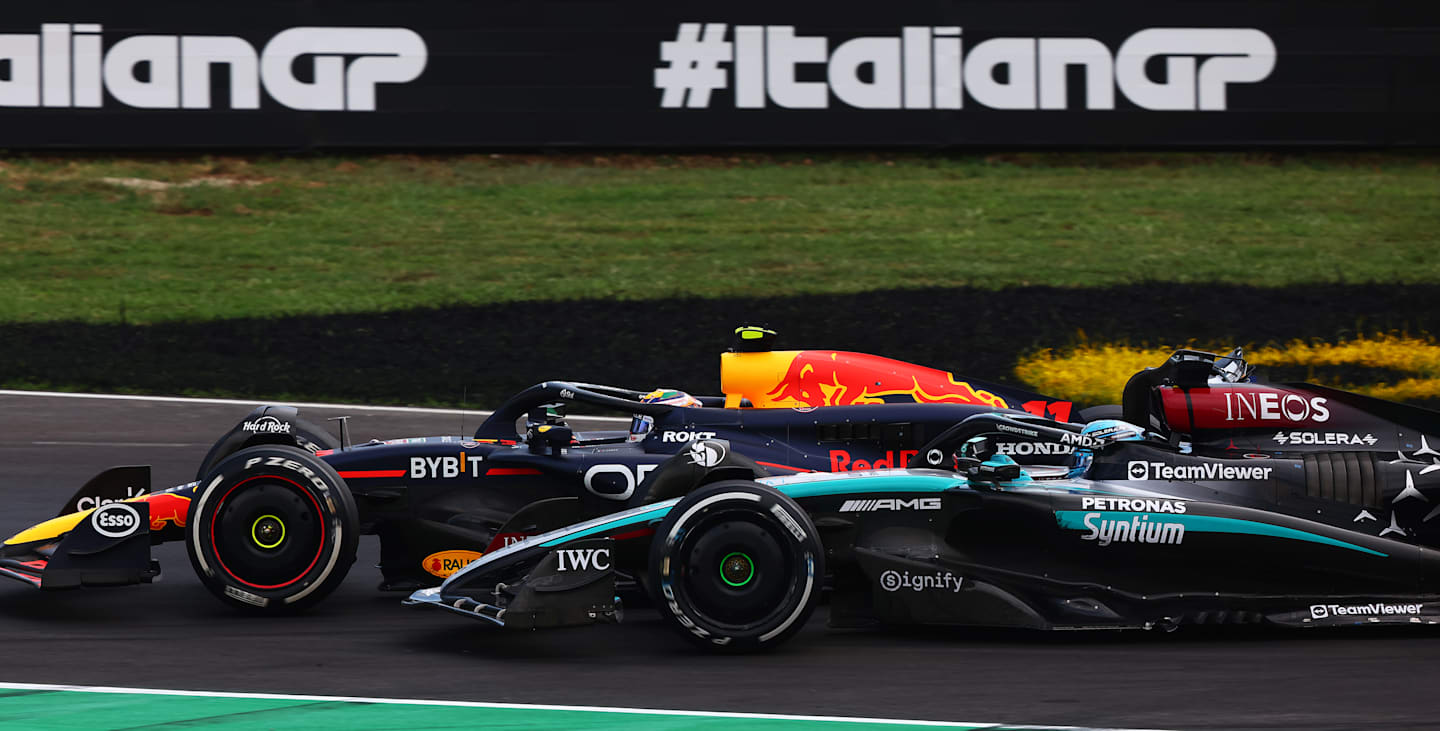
(736, 570)
(267, 532)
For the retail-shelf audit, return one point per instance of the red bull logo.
(842, 461)
(827, 378)
(167, 507)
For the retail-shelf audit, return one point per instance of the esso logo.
(115, 520)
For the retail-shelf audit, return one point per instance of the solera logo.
(64, 66)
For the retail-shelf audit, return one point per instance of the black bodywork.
(1236, 502)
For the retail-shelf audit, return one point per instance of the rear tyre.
(272, 529)
(736, 566)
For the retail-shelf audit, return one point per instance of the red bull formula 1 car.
(273, 518)
(1215, 500)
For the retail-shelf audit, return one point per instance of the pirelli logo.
(870, 506)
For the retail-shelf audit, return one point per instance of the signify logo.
(66, 66)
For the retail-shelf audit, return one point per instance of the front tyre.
(736, 566)
(272, 529)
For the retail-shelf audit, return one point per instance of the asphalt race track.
(172, 634)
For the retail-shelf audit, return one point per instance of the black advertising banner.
(542, 73)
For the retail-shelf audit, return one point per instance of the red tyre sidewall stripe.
(214, 547)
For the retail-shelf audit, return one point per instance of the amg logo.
(1029, 448)
(1321, 611)
(583, 559)
(869, 506)
(1138, 529)
(1139, 470)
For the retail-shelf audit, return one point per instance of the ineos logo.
(115, 520)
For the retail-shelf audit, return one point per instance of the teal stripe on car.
(1075, 520)
(878, 483)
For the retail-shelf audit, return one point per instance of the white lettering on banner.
(925, 68)
(64, 66)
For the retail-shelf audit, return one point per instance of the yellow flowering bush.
(1096, 374)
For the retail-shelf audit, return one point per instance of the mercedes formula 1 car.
(273, 518)
(1215, 500)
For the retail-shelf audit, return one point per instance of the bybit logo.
(64, 66)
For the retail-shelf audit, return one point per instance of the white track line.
(257, 402)
(517, 706)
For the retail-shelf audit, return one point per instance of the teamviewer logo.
(1139, 470)
(1319, 611)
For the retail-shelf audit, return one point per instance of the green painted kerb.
(29, 708)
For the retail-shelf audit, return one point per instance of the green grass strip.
(195, 239)
(27, 706)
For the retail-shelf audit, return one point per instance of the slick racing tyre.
(736, 566)
(272, 529)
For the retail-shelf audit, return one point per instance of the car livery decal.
(1075, 520)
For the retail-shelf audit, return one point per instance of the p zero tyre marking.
(320, 521)
(804, 599)
(195, 524)
(680, 524)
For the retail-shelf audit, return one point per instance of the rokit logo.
(583, 559)
(65, 66)
(1142, 470)
(266, 425)
(116, 520)
(926, 67)
(685, 436)
(870, 506)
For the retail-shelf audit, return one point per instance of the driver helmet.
(641, 424)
